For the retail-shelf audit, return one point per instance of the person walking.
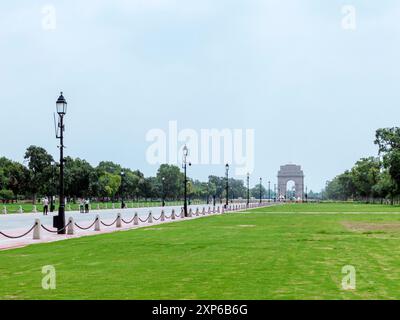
(45, 206)
(81, 205)
(87, 206)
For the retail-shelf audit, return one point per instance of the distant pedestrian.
(45, 206)
(87, 206)
(81, 206)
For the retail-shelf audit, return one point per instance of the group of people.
(83, 205)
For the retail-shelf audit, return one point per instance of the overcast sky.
(312, 91)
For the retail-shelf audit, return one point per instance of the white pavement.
(17, 224)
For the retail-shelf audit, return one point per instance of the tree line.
(38, 177)
(372, 178)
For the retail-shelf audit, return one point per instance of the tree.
(13, 176)
(385, 187)
(109, 184)
(171, 180)
(388, 141)
(365, 174)
(39, 162)
(218, 185)
(255, 191)
(129, 184)
(77, 177)
(6, 195)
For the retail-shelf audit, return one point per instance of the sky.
(310, 87)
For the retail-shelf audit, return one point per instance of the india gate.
(290, 172)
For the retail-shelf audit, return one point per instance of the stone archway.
(291, 172)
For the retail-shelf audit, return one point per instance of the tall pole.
(306, 194)
(269, 190)
(122, 190)
(227, 185)
(274, 192)
(248, 189)
(185, 209)
(163, 191)
(260, 190)
(61, 208)
(185, 204)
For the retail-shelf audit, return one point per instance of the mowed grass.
(285, 252)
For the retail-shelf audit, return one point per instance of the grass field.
(284, 252)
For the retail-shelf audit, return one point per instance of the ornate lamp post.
(306, 194)
(260, 190)
(269, 191)
(227, 185)
(248, 189)
(61, 106)
(184, 165)
(163, 191)
(122, 190)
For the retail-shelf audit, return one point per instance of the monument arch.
(290, 172)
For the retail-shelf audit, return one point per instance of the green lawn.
(285, 252)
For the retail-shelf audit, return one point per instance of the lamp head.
(61, 105)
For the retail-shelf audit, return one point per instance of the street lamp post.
(274, 192)
(53, 185)
(269, 191)
(163, 191)
(306, 194)
(59, 221)
(227, 184)
(260, 190)
(248, 189)
(122, 190)
(185, 163)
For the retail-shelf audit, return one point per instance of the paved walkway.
(17, 224)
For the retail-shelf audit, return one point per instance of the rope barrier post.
(182, 214)
(5, 210)
(150, 219)
(173, 214)
(135, 219)
(204, 211)
(34, 210)
(119, 224)
(162, 216)
(70, 229)
(36, 230)
(98, 207)
(97, 223)
(197, 212)
(113, 206)
(20, 210)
